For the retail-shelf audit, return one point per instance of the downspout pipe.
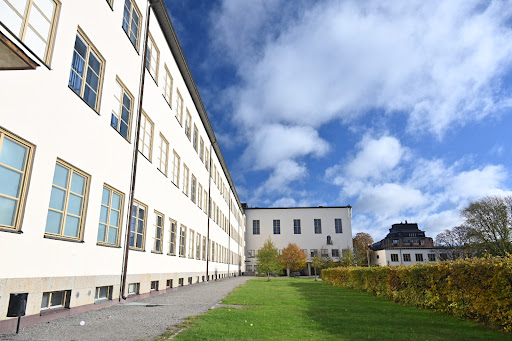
(208, 248)
(135, 156)
(229, 234)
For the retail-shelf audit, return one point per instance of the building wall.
(39, 107)
(308, 239)
(385, 257)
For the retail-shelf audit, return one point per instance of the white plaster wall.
(384, 256)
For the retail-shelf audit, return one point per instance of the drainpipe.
(135, 158)
(208, 214)
(229, 233)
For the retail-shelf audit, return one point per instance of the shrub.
(479, 288)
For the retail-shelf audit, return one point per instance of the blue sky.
(401, 109)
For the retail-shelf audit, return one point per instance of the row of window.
(407, 257)
(312, 253)
(297, 228)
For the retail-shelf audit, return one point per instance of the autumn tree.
(347, 257)
(267, 260)
(318, 263)
(489, 223)
(293, 258)
(361, 243)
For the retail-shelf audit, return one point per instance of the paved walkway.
(140, 320)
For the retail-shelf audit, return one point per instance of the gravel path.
(139, 320)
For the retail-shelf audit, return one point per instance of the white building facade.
(410, 255)
(77, 89)
(322, 231)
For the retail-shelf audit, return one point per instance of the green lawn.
(302, 309)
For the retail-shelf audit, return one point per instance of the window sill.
(98, 99)
(127, 139)
(168, 103)
(103, 300)
(3, 229)
(154, 78)
(177, 119)
(145, 157)
(171, 254)
(108, 245)
(63, 238)
(135, 47)
(134, 249)
(157, 252)
(162, 172)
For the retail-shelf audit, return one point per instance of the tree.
(361, 243)
(318, 263)
(266, 259)
(489, 223)
(293, 258)
(347, 257)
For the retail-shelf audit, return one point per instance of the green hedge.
(480, 288)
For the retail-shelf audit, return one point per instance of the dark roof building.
(404, 235)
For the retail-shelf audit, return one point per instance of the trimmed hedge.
(479, 288)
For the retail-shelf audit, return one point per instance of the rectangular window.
(407, 257)
(252, 253)
(335, 252)
(204, 248)
(206, 159)
(296, 226)
(15, 163)
(131, 22)
(198, 246)
(168, 81)
(163, 154)
(176, 169)
(122, 110)
(394, 257)
(205, 200)
(138, 226)
(110, 216)
(195, 138)
(172, 239)
(214, 174)
(55, 299)
(103, 293)
(188, 122)
(337, 226)
(67, 202)
(146, 136)
(277, 226)
(431, 257)
(419, 257)
(193, 189)
(191, 244)
(152, 58)
(168, 283)
(86, 73)
(318, 226)
(33, 22)
(185, 179)
(179, 107)
(133, 288)
(199, 195)
(183, 240)
(154, 285)
(201, 149)
(255, 227)
(324, 253)
(159, 231)
(314, 252)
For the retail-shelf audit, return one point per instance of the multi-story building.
(112, 183)
(318, 231)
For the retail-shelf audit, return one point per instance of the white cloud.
(477, 183)
(389, 199)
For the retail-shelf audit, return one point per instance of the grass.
(302, 309)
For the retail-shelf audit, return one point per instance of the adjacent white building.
(322, 231)
(77, 89)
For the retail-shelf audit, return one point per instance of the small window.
(15, 164)
(168, 283)
(324, 253)
(201, 149)
(318, 226)
(191, 244)
(335, 252)
(133, 288)
(407, 257)
(131, 22)
(185, 179)
(198, 246)
(180, 282)
(33, 22)
(431, 257)
(168, 81)
(248, 268)
(154, 285)
(110, 216)
(255, 227)
(314, 252)
(207, 159)
(86, 73)
(152, 58)
(172, 240)
(67, 202)
(194, 139)
(394, 257)
(179, 107)
(190, 280)
(337, 225)
(419, 257)
(138, 225)
(176, 169)
(183, 239)
(103, 293)
(163, 154)
(204, 248)
(329, 240)
(159, 231)
(296, 226)
(146, 136)
(193, 189)
(277, 226)
(122, 110)
(188, 122)
(55, 299)
(199, 195)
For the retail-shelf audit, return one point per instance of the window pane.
(75, 205)
(102, 293)
(141, 213)
(44, 301)
(46, 6)
(40, 24)
(112, 235)
(53, 222)
(13, 154)
(139, 241)
(140, 227)
(10, 182)
(90, 96)
(60, 178)
(72, 225)
(105, 199)
(57, 298)
(7, 211)
(124, 130)
(10, 18)
(94, 63)
(80, 47)
(101, 232)
(77, 184)
(116, 201)
(92, 79)
(75, 82)
(57, 199)
(103, 214)
(114, 218)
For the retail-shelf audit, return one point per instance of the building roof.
(290, 208)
